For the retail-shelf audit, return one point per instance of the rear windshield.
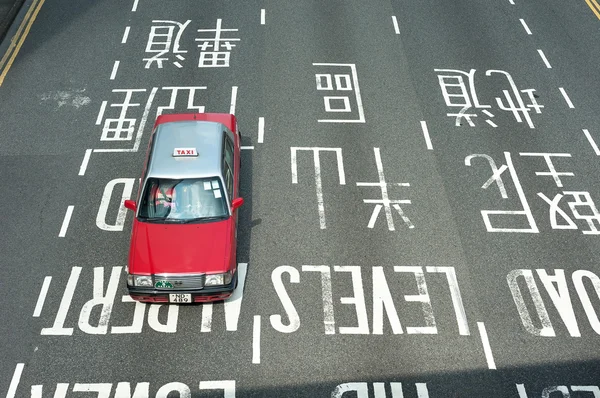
(186, 200)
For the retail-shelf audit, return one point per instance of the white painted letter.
(99, 299)
(60, 392)
(422, 297)
(585, 299)
(228, 387)
(383, 299)
(102, 389)
(361, 390)
(358, 300)
(549, 390)
(138, 318)
(593, 389)
(123, 390)
(459, 308)
(182, 389)
(328, 318)
(546, 329)
(172, 316)
(108, 191)
(58, 328)
(288, 306)
(556, 286)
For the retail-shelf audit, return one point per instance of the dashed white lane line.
(262, 16)
(256, 340)
(101, 113)
(543, 56)
(261, 129)
(135, 4)
(233, 100)
(566, 97)
(512, 2)
(396, 27)
(16, 379)
(487, 349)
(84, 162)
(114, 70)
(525, 26)
(592, 142)
(426, 134)
(246, 147)
(65, 224)
(125, 35)
(42, 297)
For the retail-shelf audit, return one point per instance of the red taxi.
(184, 235)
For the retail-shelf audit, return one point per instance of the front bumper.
(204, 295)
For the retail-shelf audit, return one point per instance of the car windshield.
(186, 200)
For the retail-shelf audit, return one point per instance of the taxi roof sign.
(182, 152)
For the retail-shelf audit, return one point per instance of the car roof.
(205, 136)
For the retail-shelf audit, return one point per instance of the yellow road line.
(27, 24)
(593, 4)
(15, 38)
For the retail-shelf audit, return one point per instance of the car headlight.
(217, 279)
(139, 280)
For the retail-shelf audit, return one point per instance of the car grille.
(179, 282)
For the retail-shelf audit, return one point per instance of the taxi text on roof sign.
(185, 152)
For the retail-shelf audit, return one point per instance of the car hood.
(180, 248)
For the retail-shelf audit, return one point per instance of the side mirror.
(130, 204)
(237, 202)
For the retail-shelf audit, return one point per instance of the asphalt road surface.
(421, 198)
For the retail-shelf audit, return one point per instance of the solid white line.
(101, 113)
(426, 134)
(247, 147)
(486, 346)
(84, 163)
(544, 59)
(396, 28)
(114, 70)
(592, 142)
(262, 16)
(42, 297)
(125, 35)
(233, 99)
(566, 97)
(138, 136)
(261, 129)
(512, 2)
(16, 379)
(256, 340)
(135, 4)
(65, 224)
(525, 26)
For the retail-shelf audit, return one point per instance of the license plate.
(180, 298)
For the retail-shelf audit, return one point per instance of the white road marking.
(58, 328)
(544, 59)
(233, 99)
(261, 129)
(138, 137)
(114, 70)
(487, 349)
(101, 113)
(262, 16)
(426, 134)
(491, 123)
(42, 297)
(84, 163)
(247, 147)
(512, 2)
(361, 111)
(65, 224)
(525, 26)
(592, 142)
(396, 28)
(566, 97)
(16, 379)
(125, 35)
(256, 340)
(135, 4)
